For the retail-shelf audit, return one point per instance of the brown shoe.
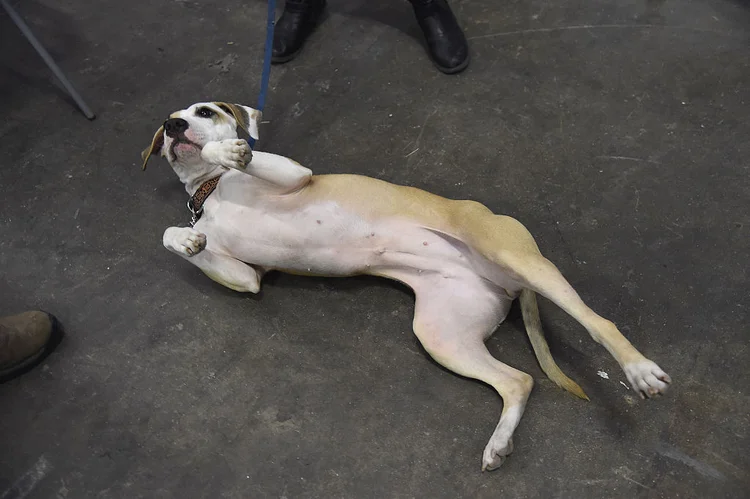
(25, 339)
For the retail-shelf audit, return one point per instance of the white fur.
(647, 378)
(229, 153)
(501, 443)
(184, 241)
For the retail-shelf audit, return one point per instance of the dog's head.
(182, 136)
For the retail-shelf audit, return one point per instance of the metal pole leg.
(47, 59)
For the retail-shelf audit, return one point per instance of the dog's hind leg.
(509, 245)
(540, 275)
(452, 319)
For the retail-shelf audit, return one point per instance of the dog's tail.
(530, 312)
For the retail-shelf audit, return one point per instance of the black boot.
(299, 19)
(446, 42)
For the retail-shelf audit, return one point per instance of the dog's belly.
(323, 239)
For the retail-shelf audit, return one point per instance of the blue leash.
(266, 76)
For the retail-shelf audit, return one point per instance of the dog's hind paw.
(495, 453)
(646, 378)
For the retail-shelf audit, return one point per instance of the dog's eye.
(205, 112)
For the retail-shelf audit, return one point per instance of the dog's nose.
(175, 126)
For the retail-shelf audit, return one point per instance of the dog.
(254, 212)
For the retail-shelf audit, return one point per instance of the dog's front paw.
(230, 153)
(184, 241)
(646, 378)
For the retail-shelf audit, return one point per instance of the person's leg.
(446, 43)
(445, 39)
(297, 22)
(25, 339)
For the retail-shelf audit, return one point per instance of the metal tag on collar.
(196, 215)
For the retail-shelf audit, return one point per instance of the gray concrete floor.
(616, 131)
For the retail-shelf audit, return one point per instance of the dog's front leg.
(282, 172)
(227, 271)
(278, 170)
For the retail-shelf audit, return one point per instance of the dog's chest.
(318, 236)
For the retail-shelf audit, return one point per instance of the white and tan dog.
(465, 264)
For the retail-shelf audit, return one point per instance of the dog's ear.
(156, 144)
(246, 117)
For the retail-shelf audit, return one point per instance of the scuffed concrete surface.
(616, 131)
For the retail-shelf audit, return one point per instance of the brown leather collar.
(195, 203)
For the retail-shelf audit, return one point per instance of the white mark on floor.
(626, 386)
(627, 158)
(62, 492)
(602, 374)
(702, 468)
(421, 133)
(735, 468)
(636, 482)
(26, 482)
(600, 26)
(624, 471)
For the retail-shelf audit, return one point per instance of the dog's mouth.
(180, 139)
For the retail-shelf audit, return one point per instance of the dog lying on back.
(255, 212)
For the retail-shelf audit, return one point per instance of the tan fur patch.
(240, 115)
(156, 144)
